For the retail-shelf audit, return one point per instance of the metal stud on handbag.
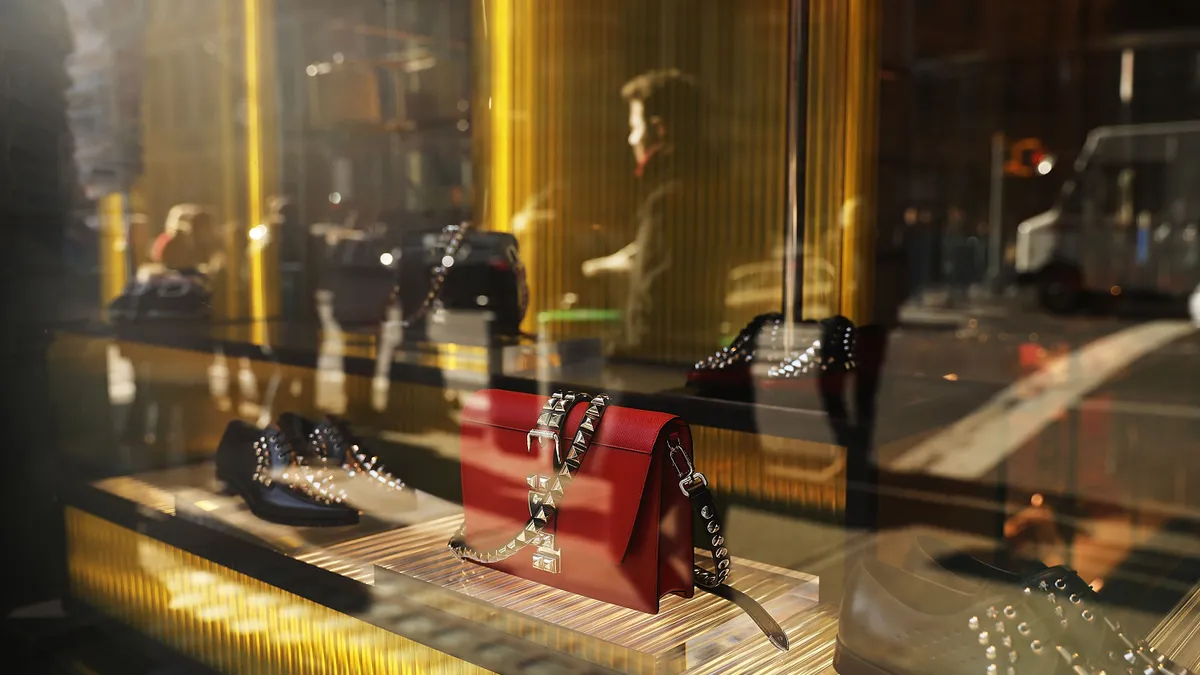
(617, 530)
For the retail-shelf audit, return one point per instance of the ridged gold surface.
(773, 468)
(1178, 635)
(702, 634)
(140, 492)
(226, 620)
(553, 165)
(842, 154)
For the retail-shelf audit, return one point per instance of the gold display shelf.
(226, 620)
(703, 634)
(411, 573)
(191, 492)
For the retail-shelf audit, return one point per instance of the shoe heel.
(846, 663)
(235, 459)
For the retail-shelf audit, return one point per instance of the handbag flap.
(603, 501)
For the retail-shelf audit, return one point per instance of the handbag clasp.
(687, 477)
(540, 434)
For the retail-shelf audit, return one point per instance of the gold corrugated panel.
(698, 635)
(140, 492)
(554, 166)
(226, 620)
(1178, 635)
(209, 128)
(772, 468)
(842, 154)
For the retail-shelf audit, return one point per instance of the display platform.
(412, 593)
(700, 634)
(1178, 634)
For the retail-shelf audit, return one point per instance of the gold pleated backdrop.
(554, 167)
(210, 130)
(842, 158)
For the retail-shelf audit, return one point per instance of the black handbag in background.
(445, 277)
(175, 296)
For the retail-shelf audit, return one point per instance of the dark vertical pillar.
(36, 177)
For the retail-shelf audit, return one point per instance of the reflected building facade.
(1043, 72)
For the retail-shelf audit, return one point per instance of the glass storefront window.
(655, 336)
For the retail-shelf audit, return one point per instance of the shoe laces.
(334, 441)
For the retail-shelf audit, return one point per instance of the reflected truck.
(1125, 222)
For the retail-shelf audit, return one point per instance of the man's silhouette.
(666, 140)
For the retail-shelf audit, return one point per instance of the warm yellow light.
(252, 28)
(112, 238)
(501, 41)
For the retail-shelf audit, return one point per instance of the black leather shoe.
(341, 462)
(174, 295)
(895, 622)
(261, 467)
(757, 357)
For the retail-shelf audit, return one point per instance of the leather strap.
(695, 486)
(765, 622)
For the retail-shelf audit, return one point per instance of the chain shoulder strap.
(457, 234)
(545, 492)
(693, 484)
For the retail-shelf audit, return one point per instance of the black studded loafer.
(729, 368)
(896, 622)
(261, 466)
(758, 359)
(832, 353)
(339, 461)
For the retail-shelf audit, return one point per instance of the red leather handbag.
(591, 498)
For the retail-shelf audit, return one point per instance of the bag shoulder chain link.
(457, 234)
(546, 492)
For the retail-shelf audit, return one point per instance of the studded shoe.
(1082, 617)
(894, 622)
(831, 353)
(729, 368)
(757, 359)
(340, 464)
(261, 466)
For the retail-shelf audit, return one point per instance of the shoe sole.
(846, 663)
(270, 514)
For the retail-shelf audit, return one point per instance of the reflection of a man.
(666, 139)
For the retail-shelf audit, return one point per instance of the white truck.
(1126, 221)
